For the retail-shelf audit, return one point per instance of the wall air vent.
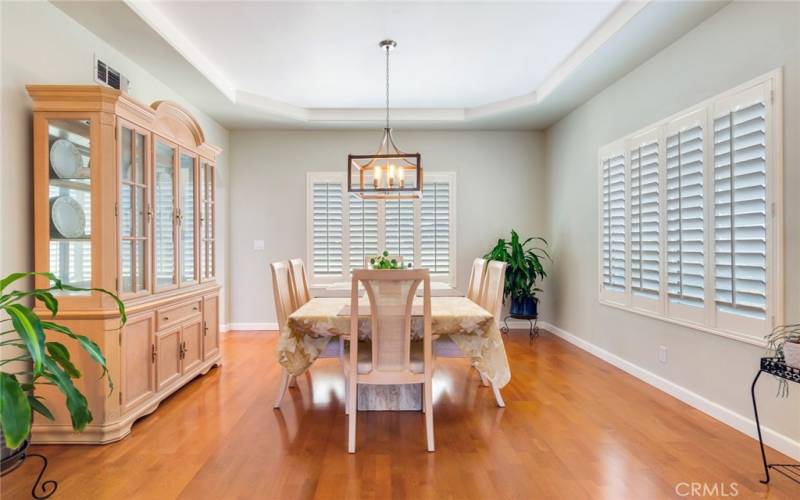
(105, 74)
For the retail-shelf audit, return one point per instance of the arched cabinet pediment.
(175, 123)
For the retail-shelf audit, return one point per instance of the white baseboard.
(776, 440)
(251, 326)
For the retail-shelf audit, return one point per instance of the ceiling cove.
(418, 98)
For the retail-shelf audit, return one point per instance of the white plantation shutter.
(363, 230)
(740, 210)
(435, 227)
(685, 217)
(399, 229)
(645, 220)
(704, 194)
(614, 223)
(327, 228)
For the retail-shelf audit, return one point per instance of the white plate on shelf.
(66, 160)
(67, 217)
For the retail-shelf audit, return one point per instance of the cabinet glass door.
(70, 191)
(133, 211)
(164, 216)
(188, 231)
(206, 220)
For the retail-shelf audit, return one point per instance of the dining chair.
(491, 299)
(299, 282)
(282, 292)
(491, 296)
(288, 300)
(390, 357)
(476, 279)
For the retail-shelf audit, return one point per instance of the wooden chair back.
(491, 297)
(282, 291)
(391, 297)
(476, 279)
(302, 294)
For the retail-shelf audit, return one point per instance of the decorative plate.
(67, 216)
(65, 159)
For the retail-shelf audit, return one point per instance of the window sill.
(741, 337)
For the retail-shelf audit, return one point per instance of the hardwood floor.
(574, 427)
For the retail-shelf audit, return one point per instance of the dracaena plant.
(524, 261)
(44, 360)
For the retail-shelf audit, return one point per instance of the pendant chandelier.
(389, 172)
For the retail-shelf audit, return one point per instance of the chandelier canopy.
(389, 172)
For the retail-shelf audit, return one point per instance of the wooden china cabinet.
(124, 199)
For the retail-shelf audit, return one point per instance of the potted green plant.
(524, 269)
(384, 262)
(40, 359)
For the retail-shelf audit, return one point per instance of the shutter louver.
(614, 223)
(685, 217)
(363, 230)
(327, 228)
(645, 220)
(435, 227)
(740, 211)
(400, 229)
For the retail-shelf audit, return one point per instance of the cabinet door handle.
(166, 318)
(205, 329)
(153, 352)
(194, 308)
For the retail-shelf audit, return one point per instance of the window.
(327, 227)
(645, 218)
(363, 230)
(690, 215)
(614, 222)
(399, 221)
(685, 214)
(435, 227)
(346, 229)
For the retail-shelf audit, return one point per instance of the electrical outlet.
(258, 244)
(662, 355)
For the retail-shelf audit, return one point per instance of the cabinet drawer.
(172, 315)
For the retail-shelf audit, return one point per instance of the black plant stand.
(16, 459)
(776, 367)
(533, 331)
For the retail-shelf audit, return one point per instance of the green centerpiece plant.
(524, 269)
(40, 358)
(384, 262)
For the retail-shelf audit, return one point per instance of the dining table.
(321, 320)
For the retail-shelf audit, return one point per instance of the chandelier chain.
(387, 86)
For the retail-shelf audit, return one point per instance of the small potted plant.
(524, 269)
(384, 262)
(784, 342)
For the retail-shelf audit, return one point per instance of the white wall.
(740, 42)
(41, 44)
(499, 186)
